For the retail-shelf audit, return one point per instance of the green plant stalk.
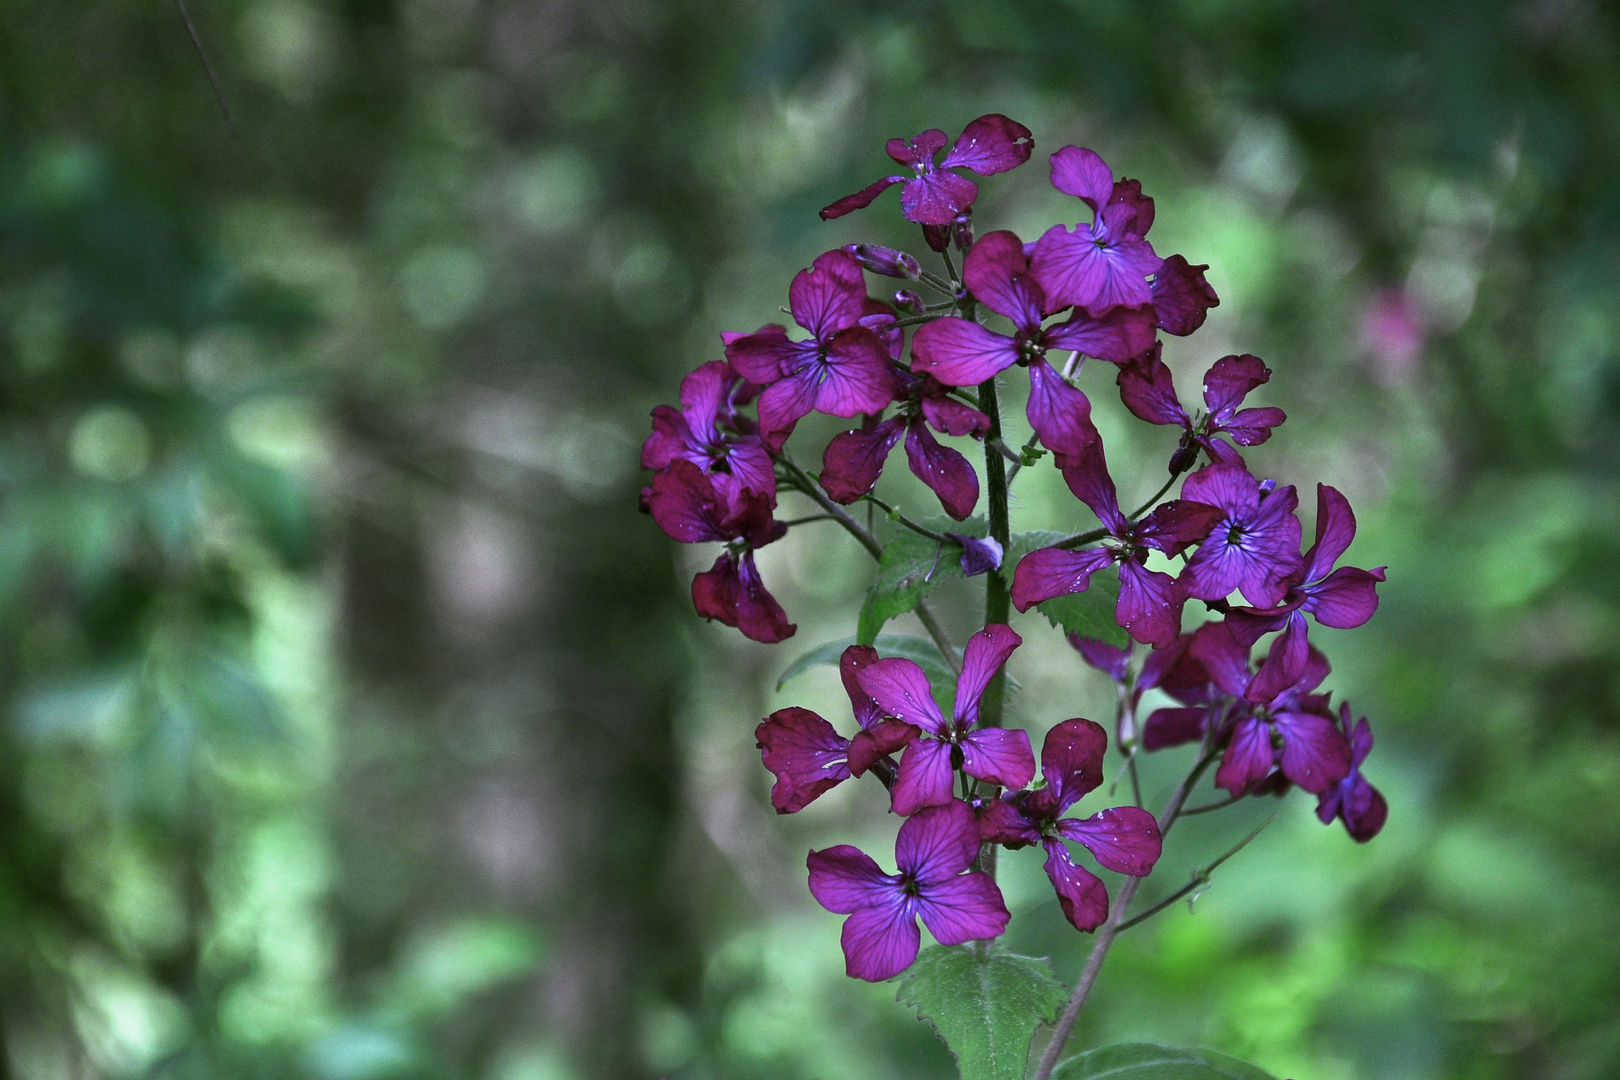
(997, 602)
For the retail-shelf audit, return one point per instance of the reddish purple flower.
(1147, 389)
(1160, 669)
(854, 459)
(1254, 548)
(706, 431)
(1342, 598)
(844, 367)
(995, 755)
(932, 195)
(732, 593)
(1181, 296)
(1354, 801)
(1124, 839)
(960, 352)
(809, 757)
(1150, 602)
(1105, 264)
(935, 846)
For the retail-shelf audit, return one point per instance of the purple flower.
(995, 755)
(706, 431)
(1160, 669)
(1105, 264)
(1181, 296)
(854, 460)
(1254, 548)
(1124, 839)
(1147, 389)
(1344, 598)
(1150, 603)
(932, 195)
(808, 756)
(732, 593)
(880, 937)
(843, 369)
(1354, 801)
(960, 352)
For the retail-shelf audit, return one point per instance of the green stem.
(997, 602)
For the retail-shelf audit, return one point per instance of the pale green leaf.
(1145, 1061)
(984, 1004)
(911, 568)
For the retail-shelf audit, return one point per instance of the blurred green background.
(355, 726)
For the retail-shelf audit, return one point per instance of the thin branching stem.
(896, 515)
(1200, 877)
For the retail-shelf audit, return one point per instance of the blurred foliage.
(355, 726)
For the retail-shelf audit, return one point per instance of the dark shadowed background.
(356, 726)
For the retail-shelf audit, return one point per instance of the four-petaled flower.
(932, 195)
(1104, 264)
(935, 846)
(1354, 801)
(707, 431)
(1147, 389)
(1124, 839)
(1253, 548)
(995, 755)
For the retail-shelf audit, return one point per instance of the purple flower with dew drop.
(1124, 839)
(1148, 390)
(934, 847)
(1342, 598)
(933, 195)
(1150, 602)
(706, 431)
(1253, 548)
(1107, 263)
(1354, 801)
(960, 352)
(844, 367)
(999, 756)
(807, 755)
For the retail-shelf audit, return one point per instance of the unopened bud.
(885, 261)
(908, 301)
(962, 231)
(1185, 457)
(937, 236)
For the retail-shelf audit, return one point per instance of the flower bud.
(908, 301)
(885, 261)
(938, 237)
(1185, 457)
(962, 230)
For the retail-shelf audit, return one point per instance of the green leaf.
(985, 1005)
(911, 568)
(1145, 1061)
(921, 651)
(1089, 613)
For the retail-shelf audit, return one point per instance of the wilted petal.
(1150, 604)
(901, 690)
(859, 199)
(999, 756)
(991, 144)
(1173, 727)
(960, 353)
(938, 843)
(983, 656)
(1123, 333)
(1335, 529)
(873, 744)
(936, 197)
(1249, 757)
(1148, 389)
(997, 273)
(1181, 296)
(1125, 839)
(880, 942)
(1084, 174)
(1059, 413)
(853, 460)
(858, 375)
(951, 417)
(1051, 572)
(965, 908)
(804, 753)
(1315, 753)
(980, 554)
(946, 472)
(732, 593)
(1081, 894)
(845, 879)
(924, 777)
(1140, 218)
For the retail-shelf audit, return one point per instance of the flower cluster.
(1228, 540)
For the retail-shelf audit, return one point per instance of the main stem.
(997, 603)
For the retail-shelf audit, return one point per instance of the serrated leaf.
(1146, 1061)
(911, 568)
(985, 1006)
(1089, 613)
(921, 651)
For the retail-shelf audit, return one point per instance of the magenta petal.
(703, 394)
(965, 908)
(785, 401)
(1181, 296)
(924, 778)
(1081, 894)
(946, 472)
(880, 942)
(1251, 427)
(1072, 762)
(997, 273)
(960, 353)
(1249, 757)
(919, 150)
(859, 199)
(989, 145)
(1000, 822)
(1115, 663)
(937, 843)
(1139, 218)
(1051, 572)
(1149, 604)
(1125, 839)
(1284, 664)
(1084, 174)
(1315, 754)
(844, 879)
(936, 197)
(1173, 727)
(1059, 413)
(1149, 390)
(901, 690)
(1073, 269)
(750, 465)
(682, 502)
(857, 375)
(670, 438)
(877, 742)
(1335, 529)
(1118, 336)
(951, 417)
(1177, 524)
(1347, 598)
(853, 460)
(731, 592)
(1230, 380)
(830, 296)
(999, 756)
(806, 755)
(982, 657)
(856, 659)
(1086, 473)
(1229, 487)
(767, 354)
(1224, 660)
